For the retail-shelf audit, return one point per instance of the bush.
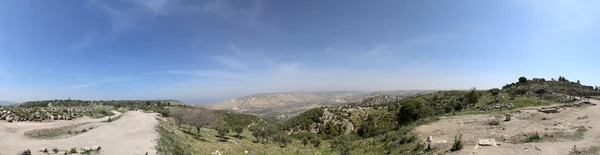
(222, 131)
(316, 142)
(73, 150)
(238, 130)
(408, 139)
(26, 152)
(458, 143)
(55, 150)
(84, 130)
(533, 138)
(304, 141)
(493, 122)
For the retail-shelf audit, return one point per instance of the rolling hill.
(293, 103)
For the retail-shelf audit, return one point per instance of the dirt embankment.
(559, 132)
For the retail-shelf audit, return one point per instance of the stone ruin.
(495, 107)
(17, 114)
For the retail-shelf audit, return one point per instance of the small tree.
(458, 144)
(282, 139)
(494, 91)
(222, 130)
(304, 141)
(238, 130)
(316, 142)
(522, 80)
(341, 144)
(473, 96)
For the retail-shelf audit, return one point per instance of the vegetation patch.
(458, 144)
(493, 122)
(56, 133)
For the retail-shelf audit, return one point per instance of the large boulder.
(438, 144)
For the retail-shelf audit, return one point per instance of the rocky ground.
(133, 133)
(559, 132)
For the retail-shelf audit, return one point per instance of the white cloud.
(93, 83)
(83, 43)
(235, 49)
(154, 6)
(240, 16)
(230, 62)
(120, 21)
(221, 74)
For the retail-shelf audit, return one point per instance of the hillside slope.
(293, 103)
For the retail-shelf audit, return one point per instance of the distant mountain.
(293, 103)
(5, 103)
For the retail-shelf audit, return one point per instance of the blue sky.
(209, 51)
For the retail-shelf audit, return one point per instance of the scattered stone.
(549, 110)
(216, 153)
(508, 116)
(487, 142)
(438, 144)
(96, 147)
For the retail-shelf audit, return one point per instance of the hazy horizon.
(218, 49)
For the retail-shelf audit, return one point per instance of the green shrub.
(316, 142)
(408, 139)
(73, 150)
(458, 143)
(533, 138)
(493, 122)
(84, 130)
(305, 141)
(55, 150)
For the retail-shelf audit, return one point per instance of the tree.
(495, 91)
(238, 130)
(473, 96)
(200, 117)
(411, 110)
(179, 115)
(304, 141)
(222, 130)
(522, 80)
(282, 139)
(316, 142)
(341, 144)
(578, 82)
(367, 128)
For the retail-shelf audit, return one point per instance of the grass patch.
(533, 138)
(521, 102)
(493, 122)
(458, 143)
(591, 150)
(583, 117)
(173, 141)
(55, 133)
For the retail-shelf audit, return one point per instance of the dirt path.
(133, 133)
(559, 131)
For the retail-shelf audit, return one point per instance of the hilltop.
(291, 103)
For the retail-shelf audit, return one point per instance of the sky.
(204, 52)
